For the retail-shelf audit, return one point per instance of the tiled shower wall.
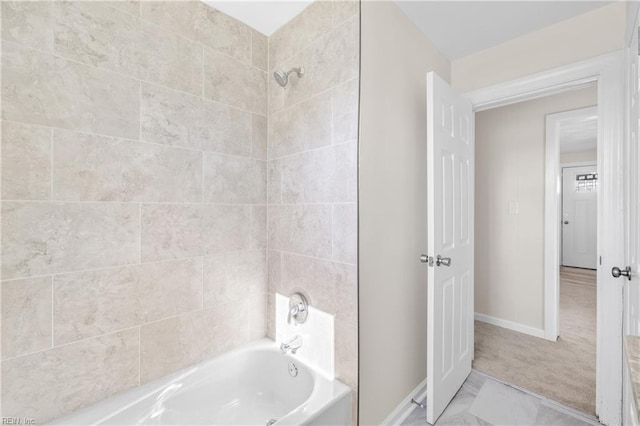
(134, 141)
(312, 169)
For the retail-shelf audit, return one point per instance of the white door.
(632, 257)
(579, 216)
(450, 165)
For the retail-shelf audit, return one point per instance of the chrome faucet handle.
(298, 309)
(293, 313)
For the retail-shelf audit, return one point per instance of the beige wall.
(578, 156)
(590, 34)
(312, 176)
(393, 207)
(510, 167)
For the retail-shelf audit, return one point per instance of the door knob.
(617, 272)
(446, 261)
(566, 222)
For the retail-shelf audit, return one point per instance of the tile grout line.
(127, 265)
(177, 203)
(51, 197)
(179, 147)
(53, 312)
(203, 285)
(139, 355)
(140, 233)
(131, 140)
(202, 178)
(122, 330)
(203, 71)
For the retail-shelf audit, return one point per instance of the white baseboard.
(520, 328)
(406, 407)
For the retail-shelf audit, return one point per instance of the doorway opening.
(514, 341)
(532, 317)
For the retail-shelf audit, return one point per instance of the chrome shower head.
(282, 77)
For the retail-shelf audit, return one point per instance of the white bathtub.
(251, 385)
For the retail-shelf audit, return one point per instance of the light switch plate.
(513, 207)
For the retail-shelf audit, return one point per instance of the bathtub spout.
(292, 345)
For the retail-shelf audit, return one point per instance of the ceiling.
(265, 16)
(459, 28)
(579, 132)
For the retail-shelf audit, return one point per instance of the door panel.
(580, 215)
(450, 228)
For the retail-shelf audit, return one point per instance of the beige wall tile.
(346, 360)
(178, 342)
(94, 33)
(175, 231)
(259, 50)
(300, 128)
(232, 277)
(26, 162)
(47, 238)
(99, 35)
(258, 315)
(29, 23)
(39, 88)
(231, 179)
(344, 9)
(258, 227)
(324, 175)
(274, 182)
(259, 134)
(174, 118)
(170, 60)
(331, 60)
(330, 286)
(345, 233)
(303, 229)
(56, 382)
(26, 316)
(130, 6)
(345, 111)
(274, 270)
(234, 83)
(197, 21)
(300, 32)
(96, 168)
(271, 316)
(335, 59)
(88, 304)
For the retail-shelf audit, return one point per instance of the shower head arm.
(297, 70)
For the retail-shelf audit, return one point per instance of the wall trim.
(406, 407)
(562, 79)
(510, 325)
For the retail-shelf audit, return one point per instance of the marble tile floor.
(485, 401)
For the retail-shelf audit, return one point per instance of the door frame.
(607, 72)
(553, 218)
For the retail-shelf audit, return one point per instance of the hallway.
(563, 371)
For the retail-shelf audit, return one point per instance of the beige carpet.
(564, 371)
